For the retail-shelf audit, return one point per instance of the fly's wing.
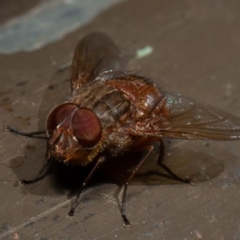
(186, 120)
(96, 56)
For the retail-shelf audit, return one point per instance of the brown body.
(118, 103)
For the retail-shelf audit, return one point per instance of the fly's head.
(73, 132)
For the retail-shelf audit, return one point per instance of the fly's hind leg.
(167, 169)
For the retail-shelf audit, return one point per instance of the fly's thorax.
(107, 102)
(118, 142)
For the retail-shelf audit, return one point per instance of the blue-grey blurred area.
(48, 22)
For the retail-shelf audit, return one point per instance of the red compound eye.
(60, 114)
(86, 127)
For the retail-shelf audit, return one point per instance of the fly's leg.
(35, 134)
(85, 182)
(126, 222)
(27, 134)
(172, 174)
(40, 174)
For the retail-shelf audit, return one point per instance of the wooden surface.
(196, 52)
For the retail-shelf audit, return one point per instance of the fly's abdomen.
(144, 96)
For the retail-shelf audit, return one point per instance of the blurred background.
(189, 47)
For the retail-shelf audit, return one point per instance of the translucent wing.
(185, 119)
(96, 56)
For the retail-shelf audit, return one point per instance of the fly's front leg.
(40, 174)
(85, 182)
(126, 222)
(168, 170)
(35, 134)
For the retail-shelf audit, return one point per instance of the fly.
(111, 111)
